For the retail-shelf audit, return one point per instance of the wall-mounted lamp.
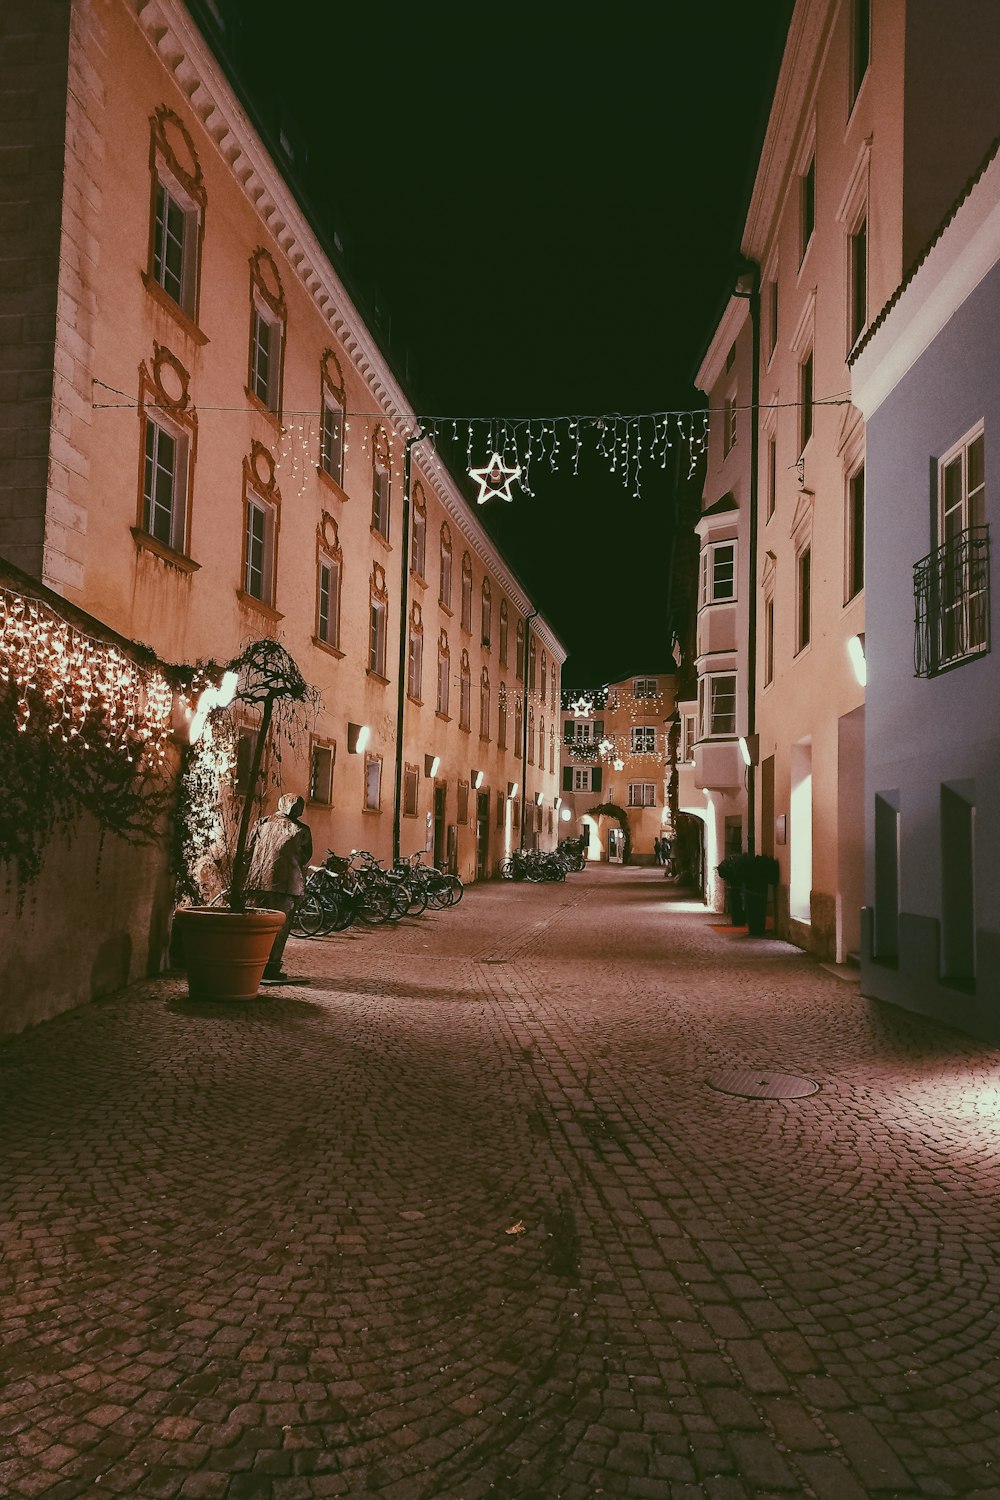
(432, 765)
(357, 738)
(856, 652)
(557, 804)
(511, 790)
(477, 779)
(565, 814)
(750, 749)
(619, 765)
(539, 798)
(189, 724)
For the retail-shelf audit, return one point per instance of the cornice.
(182, 50)
(732, 320)
(797, 80)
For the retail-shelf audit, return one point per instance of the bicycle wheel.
(506, 869)
(456, 890)
(310, 916)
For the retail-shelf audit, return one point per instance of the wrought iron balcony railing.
(951, 590)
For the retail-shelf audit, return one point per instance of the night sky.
(548, 200)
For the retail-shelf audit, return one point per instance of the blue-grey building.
(927, 379)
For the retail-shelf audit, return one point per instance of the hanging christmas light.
(495, 479)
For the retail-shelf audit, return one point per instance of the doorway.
(800, 809)
(482, 835)
(440, 827)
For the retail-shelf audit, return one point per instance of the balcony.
(951, 590)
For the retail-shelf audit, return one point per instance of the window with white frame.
(963, 602)
(855, 533)
(415, 658)
(642, 794)
(380, 499)
(376, 637)
(176, 236)
(717, 705)
(803, 598)
(962, 488)
(165, 484)
(321, 772)
(689, 736)
(331, 449)
(644, 687)
(258, 550)
(265, 356)
(411, 788)
(418, 532)
(643, 739)
(729, 421)
(582, 778)
(373, 783)
(580, 731)
(718, 573)
(807, 205)
(328, 601)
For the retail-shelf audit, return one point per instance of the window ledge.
(375, 810)
(183, 318)
(377, 676)
(465, 728)
(179, 560)
(331, 650)
(445, 718)
(381, 538)
(257, 404)
(446, 608)
(418, 578)
(318, 802)
(258, 604)
(332, 484)
(418, 701)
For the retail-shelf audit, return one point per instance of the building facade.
(614, 750)
(212, 447)
(927, 382)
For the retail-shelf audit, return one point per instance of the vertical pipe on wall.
(524, 721)
(404, 621)
(751, 269)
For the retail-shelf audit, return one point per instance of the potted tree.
(226, 945)
(732, 871)
(760, 871)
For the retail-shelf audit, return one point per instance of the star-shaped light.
(495, 479)
(582, 707)
(606, 747)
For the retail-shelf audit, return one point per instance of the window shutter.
(598, 729)
(595, 778)
(567, 778)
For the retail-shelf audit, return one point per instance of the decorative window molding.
(502, 716)
(168, 442)
(411, 791)
(445, 562)
(531, 734)
(543, 689)
(717, 706)
(861, 49)
(466, 612)
(854, 533)
(518, 727)
(465, 693)
(532, 661)
(541, 742)
(642, 794)
(378, 609)
(418, 532)
(645, 687)
(504, 631)
(176, 219)
(415, 655)
(730, 428)
(519, 652)
(486, 631)
(443, 675)
(768, 638)
(333, 406)
(643, 739)
(806, 182)
(381, 482)
(803, 597)
(373, 783)
(268, 329)
(261, 525)
(329, 579)
(718, 573)
(484, 704)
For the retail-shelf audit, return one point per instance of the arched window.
(531, 734)
(531, 665)
(502, 717)
(381, 476)
(519, 651)
(444, 588)
(484, 705)
(444, 674)
(503, 632)
(518, 727)
(465, 694)
(541, 742)
(545, 675)
(487, 613)
(418, 540)
(466, 592)
(415, 655)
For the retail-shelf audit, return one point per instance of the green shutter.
(595, 778)
(567, 778)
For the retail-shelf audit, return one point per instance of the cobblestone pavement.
(467, 1218)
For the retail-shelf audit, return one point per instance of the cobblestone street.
(466, 1217)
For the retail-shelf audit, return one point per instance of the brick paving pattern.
(465, 1218)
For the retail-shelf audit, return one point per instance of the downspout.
(404, 623)
(751, 270)
(524, 721)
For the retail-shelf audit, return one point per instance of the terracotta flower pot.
(225, 951)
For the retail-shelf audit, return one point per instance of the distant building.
(928, 383)
(614, 750)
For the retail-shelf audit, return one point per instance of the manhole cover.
(752, 1083)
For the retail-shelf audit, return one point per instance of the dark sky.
(548, 199)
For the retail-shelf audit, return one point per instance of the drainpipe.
(404, 623)
(751, 271)
(524, 721)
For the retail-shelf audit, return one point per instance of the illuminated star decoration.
(582, 707)
(494, 480)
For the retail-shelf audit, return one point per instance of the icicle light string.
(627, 442)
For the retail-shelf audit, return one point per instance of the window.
(411, 787)
(486, 613)
(771, 477)
(465, 693)
(729, 422)
(519, 652)
(418, 535)
(961, 489)
(532, 659)
(861, 44)
(333, 403)
(380, 483)
(552, 750)
(321, 773)
(377, 617)
(466, 616)
(803, 599)
(415, 655)
(462, 811)
(444, 675)
(580, 731)
(501, 808)
(518, 727)
(258, 550)
(328, 600)
(768, 639)
(444, 588)
(718, 573)
(960, 567)
(645, 687)
(858, 281)
(807, 200)
(731, 357)
(545, 676)
(177, 212)
(165, 484)
(265, 357)
(502, 718)
(503, 632)
(246, 744)
(373, 783)
(772, 316)
(531, 734)
(484, 705)
(581, 778)
(856, 533)
(805, 400)
(541, 742)
(717, 705)
(689, 734)
(643, 739)
(641, 794)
